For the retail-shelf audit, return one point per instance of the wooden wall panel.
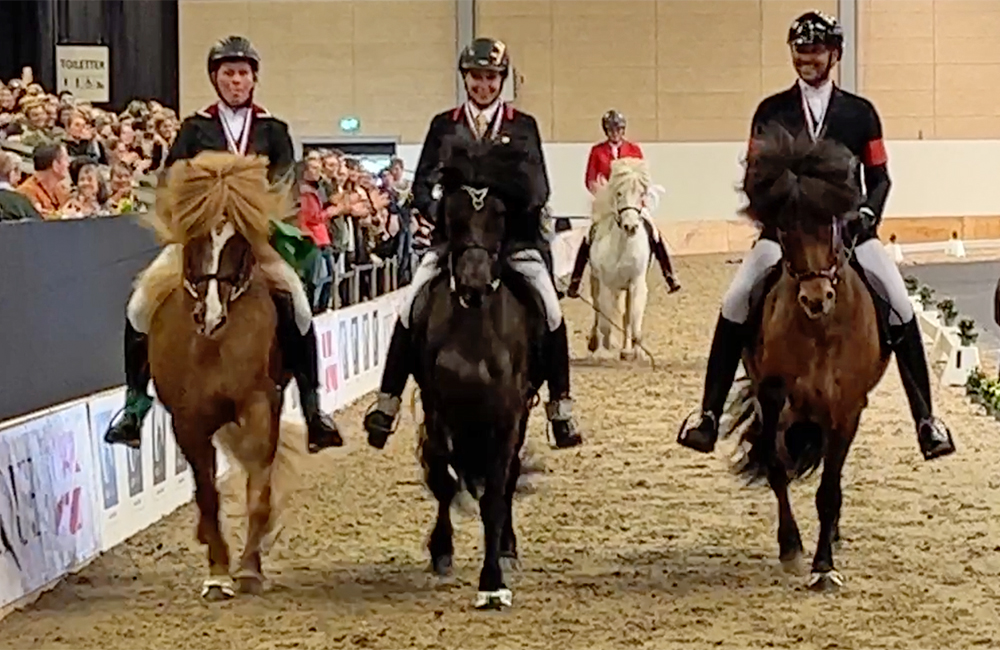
(391, 63)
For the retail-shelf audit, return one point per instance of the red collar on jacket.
(212, 111)
(456, 113)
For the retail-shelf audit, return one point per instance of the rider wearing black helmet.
(814, 105)
(234, 124)
(484, 66)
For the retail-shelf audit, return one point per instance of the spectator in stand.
(123, 197)
(47, 187)
(14, 206)
(81, 141)
(36, 129)
(89, 195)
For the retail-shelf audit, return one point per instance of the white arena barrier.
(66, 496)
(945, 347)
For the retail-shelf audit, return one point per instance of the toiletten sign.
(83, 70)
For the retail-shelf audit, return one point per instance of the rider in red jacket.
(599, 167)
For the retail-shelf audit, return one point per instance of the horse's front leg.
(772, 396)
(196, 444)
(493, 592)
(638, 293)
(607, 303)
(441, 481)
(595, 298)
(259, 430)
(828, 501)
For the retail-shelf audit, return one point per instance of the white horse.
(620, 254)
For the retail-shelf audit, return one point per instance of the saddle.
(759, 294)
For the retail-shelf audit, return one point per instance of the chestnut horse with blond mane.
(213, 350)
(818, 351)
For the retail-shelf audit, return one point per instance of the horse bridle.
(478, 197)
(836, 247)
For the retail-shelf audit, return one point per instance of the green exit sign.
(349, 124)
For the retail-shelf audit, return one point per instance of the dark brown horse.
(477, 327)
(213, 350)
(818, 352)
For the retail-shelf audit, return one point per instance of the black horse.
(477, 327)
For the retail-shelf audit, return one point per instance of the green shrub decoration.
(948, 312)
(926, 296)
(967, 333)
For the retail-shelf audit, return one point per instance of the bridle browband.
(478, 196)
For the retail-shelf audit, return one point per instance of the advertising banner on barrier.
(329, 367)
(363, 334)
(138, 487)
(47, 520)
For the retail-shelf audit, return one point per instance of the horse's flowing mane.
(505, 168)
(199, 194)
(794, 182)
(624, 172)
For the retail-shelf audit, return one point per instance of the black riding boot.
(727, 346)
(662, 257)
(128, 430)
(378, 423)
(582, 257)
(933, 436)
(560, 407)
(301, 358)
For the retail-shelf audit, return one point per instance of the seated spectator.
(81, 141)
(14, 206)
(89, 194)
(36, 130)
(46, 188)
(122, 197)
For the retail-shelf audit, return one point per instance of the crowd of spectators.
(87, 162)
(357, 219)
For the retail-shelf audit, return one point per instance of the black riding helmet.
(233, 48)
(611, 120)
(816, 28)
(485, 54)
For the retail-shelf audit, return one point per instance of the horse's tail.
(286, 475)
(800, 450)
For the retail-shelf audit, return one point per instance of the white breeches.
(886, 280)
(880, 270)
(528, 262)
(165, 274)
(754, 268)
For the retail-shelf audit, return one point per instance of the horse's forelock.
(793, 182)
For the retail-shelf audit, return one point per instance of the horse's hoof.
(592, 343)
(217, 588)
(494, 599)
(825, 581)
(628, 355)
(792, 563)
(250, 582)
(442, 566)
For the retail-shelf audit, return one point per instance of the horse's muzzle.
(630, 230)
(817, 297)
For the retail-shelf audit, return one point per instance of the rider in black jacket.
(485, 65)
(815, 105)
(241, 127)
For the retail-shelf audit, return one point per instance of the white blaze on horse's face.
(214, 309)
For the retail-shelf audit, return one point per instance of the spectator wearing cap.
(14, 206)
(46, 188)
